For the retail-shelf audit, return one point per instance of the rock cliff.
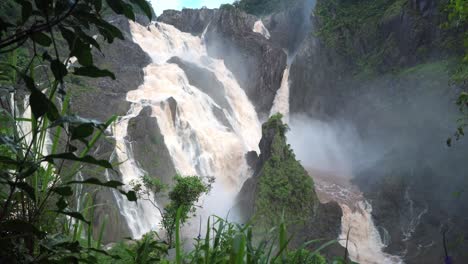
(280, 188)
(387, 74)
(256, 62)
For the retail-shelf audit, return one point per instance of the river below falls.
(365, 245)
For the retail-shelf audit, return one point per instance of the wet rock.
(257, 63)
(324, 220)
(149, 148)
(100, 99)
(205, 80)
(252, 158)
(193, 21)
(289, 27)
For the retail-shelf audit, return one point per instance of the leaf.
(9, 142)
(60, 7)
(28, 189)
(105, 28)
(61, 204)
(69, 36)
(73, 246)
(93, 71)
(26, 10)
(97, 5)
(94, 181)
(131, 195)
(75, 215)
(85, 159)
(145, 7)
(21, 227)
(87, 39)
(4, 25)
(82, 131)
(46, 56)
(63, 190)
(41, 105)
(58, 69)
(43, 4)
(82, 52)
(121, 8)
(41, 39)
(75, 120)
(28, 170)
(8, 160)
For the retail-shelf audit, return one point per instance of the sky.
(160, 5)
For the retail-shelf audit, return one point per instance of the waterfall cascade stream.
(198, 142)
(201, 144)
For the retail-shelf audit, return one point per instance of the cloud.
(161, 5)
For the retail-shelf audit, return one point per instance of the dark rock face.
(193, 21)
(425, 7)
(205, 80)
(257, 63)
(100, 99)
(149, 148)
(116, 226)
(325, 219)
(320, 74)
(313, 78)
(291, 26)
(252, 158)
(126, 60)
(411, 187)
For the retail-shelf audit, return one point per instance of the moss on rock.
(284, 187)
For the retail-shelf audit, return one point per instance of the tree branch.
(20, 36)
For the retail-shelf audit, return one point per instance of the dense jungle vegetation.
(45, 45)
(42, 217)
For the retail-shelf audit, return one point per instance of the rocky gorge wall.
(256, 62)
(142, 144)
(383, 68)
(386, 76)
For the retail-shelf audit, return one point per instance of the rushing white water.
(325, 149)
(412, 217)
(281, 102)
(259, 27)
(144, 216)
(364, 242)
(199, 143)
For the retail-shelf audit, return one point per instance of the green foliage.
(223, 242)
(183, 196)
(304, 256)
(42, 217)
(352, 29)
(458, 20)
(284, 186)
(263, 7)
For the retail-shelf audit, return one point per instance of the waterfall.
(197, 140)
(281, 102)
(324, 149)
(365, 244)
(143, 216)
